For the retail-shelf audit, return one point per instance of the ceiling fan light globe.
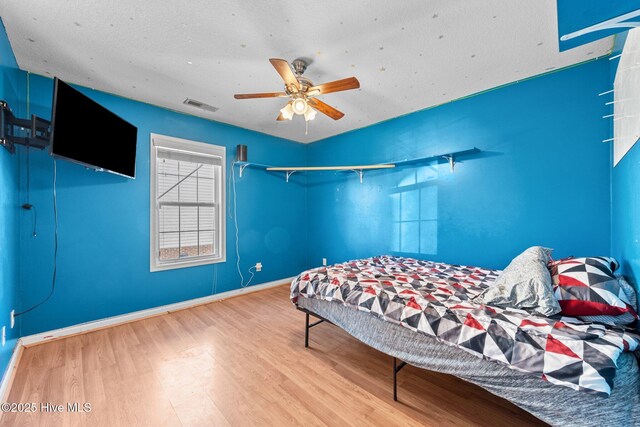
(310, 114)
(287, 112)
(299, 106)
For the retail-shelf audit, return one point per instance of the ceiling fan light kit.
(303, 92)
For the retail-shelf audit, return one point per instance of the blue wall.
(103, 259)
(625, 200)
(542, 178)
(625, 235)
(11, 90)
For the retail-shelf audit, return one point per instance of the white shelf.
(330, 168)
(359, 169)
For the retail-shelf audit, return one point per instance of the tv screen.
(85, 132)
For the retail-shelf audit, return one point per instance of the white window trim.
(164, 141)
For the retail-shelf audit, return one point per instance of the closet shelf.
(449, 157)
(331, 168)
(359, 169)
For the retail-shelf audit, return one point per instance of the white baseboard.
(9, 373)
(30, 340)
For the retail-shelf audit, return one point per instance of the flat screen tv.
(85, 132)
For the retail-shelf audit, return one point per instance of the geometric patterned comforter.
(436, 299)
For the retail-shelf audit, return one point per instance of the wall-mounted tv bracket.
(33, 132)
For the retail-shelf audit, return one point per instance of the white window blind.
(189, 204)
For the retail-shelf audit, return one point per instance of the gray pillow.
(525, 284)
(629, 291)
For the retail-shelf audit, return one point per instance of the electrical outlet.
(13, 318)
(258, 266)
(324, 261)
(4, 335)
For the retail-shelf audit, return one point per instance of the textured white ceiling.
(408, 55)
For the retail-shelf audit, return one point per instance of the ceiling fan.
(303, 92)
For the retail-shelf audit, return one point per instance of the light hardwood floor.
(239, 362)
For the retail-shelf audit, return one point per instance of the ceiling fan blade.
(284, 69)
(335, 86)
(325, 109)
(260, 95)
(280, 117)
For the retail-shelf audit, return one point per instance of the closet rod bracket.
(242, 168)
(451, 160)
(289, 173)
(360, 173)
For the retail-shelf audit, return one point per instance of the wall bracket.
(289, 173)
(34, 132)
(360, 173)
(451, 160)
(242, 168)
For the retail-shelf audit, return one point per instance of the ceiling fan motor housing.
(305, 83)
(299, 66)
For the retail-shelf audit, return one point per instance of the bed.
(561, 370)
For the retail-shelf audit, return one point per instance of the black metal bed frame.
(307, 325)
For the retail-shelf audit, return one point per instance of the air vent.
(200, 105)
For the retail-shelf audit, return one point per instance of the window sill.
(184, 264)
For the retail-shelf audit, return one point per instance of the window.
(187, 203)
(415, 216)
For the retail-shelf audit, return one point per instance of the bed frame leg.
(395, 380)
(396, 369)
(308, 325)
(306, 331)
